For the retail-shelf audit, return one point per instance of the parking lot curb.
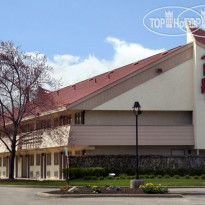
(43, 194)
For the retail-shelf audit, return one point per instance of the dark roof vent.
(164, 53)
(159, 70)
(110, 73)
(136, 63)
(95, 80)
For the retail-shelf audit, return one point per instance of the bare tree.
(21, 74)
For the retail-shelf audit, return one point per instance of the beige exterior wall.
(172, 90)
(131, 150)
(105, 117)
(189, 36)
(125, 135)
(199, 99)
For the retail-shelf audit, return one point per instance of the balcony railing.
(109, 135)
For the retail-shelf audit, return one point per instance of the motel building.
(95, 116)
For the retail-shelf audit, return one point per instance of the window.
(31, 160)
(4, 161)
(49, 159)
(178, 152)
(79, 118)
(29, 127)
(55, 122)
(38, 159)
(65, 119)
(43, 124)
(56, 158)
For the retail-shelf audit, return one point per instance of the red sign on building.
(203, 79)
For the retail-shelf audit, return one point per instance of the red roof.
(73, 93)
(198, 34)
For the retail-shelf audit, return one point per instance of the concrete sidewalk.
(187, 190)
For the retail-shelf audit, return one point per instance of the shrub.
(180, 171)
(187, 177)
(101, 178)
(90, 178)
(75, 173)
(166, 176)
(176, 176)
(146, 176)
(152, 176)
(83, 172)
(150, 188)
(159, 176)
(87, 185)
(95, 190)
(117, 178)
(109, 177)
(203, 176)
(196, 171)
(87, 178)
(196, 177)
(93, 178)
(129, 177)
(123, 176)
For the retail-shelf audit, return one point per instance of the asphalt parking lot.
(26, 196)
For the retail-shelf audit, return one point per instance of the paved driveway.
(26, 196)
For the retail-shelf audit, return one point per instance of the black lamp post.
(67, 165)
(136, 109)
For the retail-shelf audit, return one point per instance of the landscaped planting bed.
(148, 188)
(102, 190)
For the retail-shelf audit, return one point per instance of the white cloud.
(73, 69)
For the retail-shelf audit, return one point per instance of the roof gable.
(73, 93)
(198, 34)
(171, 90)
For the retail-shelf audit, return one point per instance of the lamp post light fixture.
(136, 108)
(135, 183)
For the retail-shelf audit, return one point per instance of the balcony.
(85, 135)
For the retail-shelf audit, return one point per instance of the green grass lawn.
(117, 182)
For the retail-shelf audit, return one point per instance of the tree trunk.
(12, 158)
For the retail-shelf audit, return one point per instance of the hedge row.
(75, 173)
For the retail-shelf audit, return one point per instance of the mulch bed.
(84, 190)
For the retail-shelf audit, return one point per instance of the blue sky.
(73, 31)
